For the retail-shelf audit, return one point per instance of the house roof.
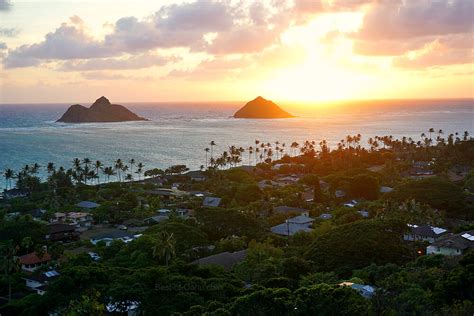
(37, 213)
(386, 189)
(325, 216)
(157, 218)
(427, 231)
(460, 241)
(32, 258)
(116, 234)
(43, 277)
(224, 259)
(76, 215)
(286, 229)
(59, 228)
(210, 201)
(87, 204)
(300, 219)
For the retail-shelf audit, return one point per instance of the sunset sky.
(289, 50)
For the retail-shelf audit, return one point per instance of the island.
(260, 108)
(101, 111)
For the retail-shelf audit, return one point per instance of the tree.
(264, 302)
(8, 174)
(9, 263)
(165, 247)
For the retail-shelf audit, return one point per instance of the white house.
(452, 245)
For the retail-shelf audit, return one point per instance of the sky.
(217, 50)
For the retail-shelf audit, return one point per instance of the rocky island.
(101, 111)
(261, 108)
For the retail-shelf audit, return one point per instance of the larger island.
(260, 108)
(101, 111)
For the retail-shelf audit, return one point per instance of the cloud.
(435, 54)
(99, 75)
(5, 5)
(131, 62)
(3, 46)
(397, 19)
(9, 32)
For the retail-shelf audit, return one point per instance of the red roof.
(32, 258)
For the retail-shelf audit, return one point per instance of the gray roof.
(210, 201)
(386, 189)
(289, 228)
(460, 241)
(156, 219)
(325, 216)
(87, 204)
(427, 231)
(301, 220)
(112, 235)
(224, 259)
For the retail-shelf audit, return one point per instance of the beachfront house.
(452, 244)
(424, 233)
(32, 261)
(293, 225)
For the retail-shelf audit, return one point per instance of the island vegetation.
(271, 228)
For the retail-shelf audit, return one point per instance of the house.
(108, 238)
(424, 233)
(87, 205)
(366, 291)
(351, 203)
(128, 308)
(325, 216)
(263, 184)
(421, 168)
(58, 217)
(61, 232)
(294, 225)
(81, 220)
(32, 261)
(364, 213)
(210, 201)
(385, 189)
(289, 209)
(37, 214)
(197, 175)
(452, 244)
(167, 194)
(227, 260)
(288, 180)
(339, 194)
(39, 282)
(15, 193)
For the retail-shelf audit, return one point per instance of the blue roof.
(87, 204)
(211, 201)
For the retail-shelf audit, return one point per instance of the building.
(32, 261)
(81, 220)
(108, 238)
(294, 225)
(210, 201)
(39, 282)
(385, 189)
(452, 244)
(366, 291)
(61, 232)
(197, 175)
(15, 193)
(227, 260)
(424, 233)
(87, 205)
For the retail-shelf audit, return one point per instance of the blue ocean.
(179, 132)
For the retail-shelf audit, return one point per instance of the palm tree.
(165, 246)
(35, 168)
(118, 167)
(140, 170)
(431, 130)
(212, 143)
(8, 174)
(9, 263)
(128, 177)
(207, 151)
(131, 162)
(97, 167)
(50, 167)
(109, 171)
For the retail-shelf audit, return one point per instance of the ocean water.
(178, 133)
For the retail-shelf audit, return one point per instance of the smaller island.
(101, 111)
(261, 108)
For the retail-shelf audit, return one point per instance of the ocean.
(179, 132)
